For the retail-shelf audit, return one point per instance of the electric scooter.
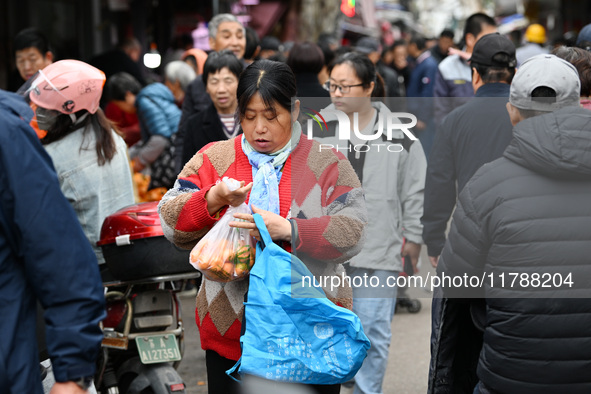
(143, 273)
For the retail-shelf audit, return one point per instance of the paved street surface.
(409, 352)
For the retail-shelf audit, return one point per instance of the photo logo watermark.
(386, 125)
(316, 116)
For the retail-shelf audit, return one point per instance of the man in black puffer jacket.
(523, 228)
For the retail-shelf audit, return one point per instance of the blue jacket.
(421, 83)
(157, 111)
(422, 78)
(420, 97)
(44, 255)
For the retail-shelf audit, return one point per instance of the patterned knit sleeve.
(183, 209)
(337, 234)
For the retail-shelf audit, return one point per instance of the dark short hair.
(270, 43)
(273, 81)
(119, 84)
(278, 57)
(31, 38)
(490, 74)
(130, 43)
(252, 42)
(447, 33)
(475, 22)
(364, 68)
(305, 57)
(581, 59)
(419, 41)
(218, 60)
(398, 43)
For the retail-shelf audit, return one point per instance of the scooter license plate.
(157, 348)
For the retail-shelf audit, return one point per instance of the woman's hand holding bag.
(225, 253)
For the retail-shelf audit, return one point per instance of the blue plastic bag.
(293, 339)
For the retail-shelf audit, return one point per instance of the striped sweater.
(318, 190)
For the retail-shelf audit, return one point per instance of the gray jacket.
(529, 214)
(393, 179)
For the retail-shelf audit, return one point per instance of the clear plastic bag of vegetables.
(225, 253)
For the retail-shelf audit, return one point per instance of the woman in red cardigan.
(310, 198)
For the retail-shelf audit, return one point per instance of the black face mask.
(46, 118)
(58, 124)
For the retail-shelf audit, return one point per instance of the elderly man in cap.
(527, 215)
(474, 134)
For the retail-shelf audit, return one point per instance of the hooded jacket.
(529, 213)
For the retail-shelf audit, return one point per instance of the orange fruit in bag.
(222, 260)
(214, 259)
(228, 269)
(197, 250)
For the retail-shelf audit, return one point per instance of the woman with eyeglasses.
(392, 173)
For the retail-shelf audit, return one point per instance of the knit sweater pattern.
(319, 190)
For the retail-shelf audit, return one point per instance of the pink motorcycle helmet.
(68, 86)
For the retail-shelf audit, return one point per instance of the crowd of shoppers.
(502, 146)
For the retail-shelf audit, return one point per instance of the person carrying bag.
(310, 200)
(292, 332)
